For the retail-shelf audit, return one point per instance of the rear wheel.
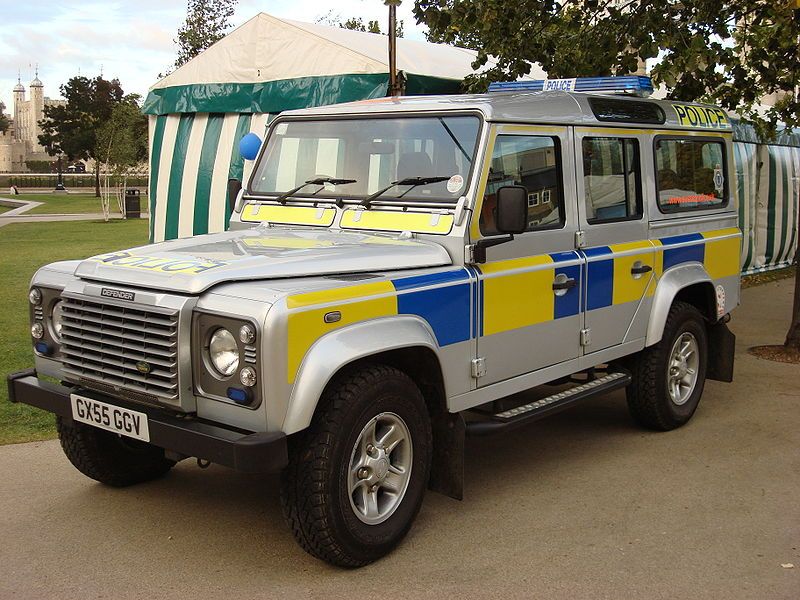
(357, 475)
(110, 458)
(668, 378)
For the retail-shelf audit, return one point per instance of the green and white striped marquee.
(192, 157)
(768, 196)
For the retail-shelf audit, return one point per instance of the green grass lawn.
(5, 208)
(68, 204)
(25, 247)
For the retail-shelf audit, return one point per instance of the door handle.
(641, 269)
(566, 284)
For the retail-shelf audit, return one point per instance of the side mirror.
(234, 187)
(512, 209)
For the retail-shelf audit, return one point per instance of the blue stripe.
(430, 279)
(446, 309)
(475, 309)
(676, 256)
(682, 239)
(563, 256)
(600, 280)
(569, 304)
(597, 251)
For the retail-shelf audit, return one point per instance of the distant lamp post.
(60, 183)
(395, 86)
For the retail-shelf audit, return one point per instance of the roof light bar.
(634, 85)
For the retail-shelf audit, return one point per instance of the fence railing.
(74, 180)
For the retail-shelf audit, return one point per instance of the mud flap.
(721, 348)
(447, 466)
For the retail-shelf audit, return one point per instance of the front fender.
(669, 284)
(343, 346)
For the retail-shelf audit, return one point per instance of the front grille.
(130, 348)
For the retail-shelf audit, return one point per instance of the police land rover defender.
(395, 273)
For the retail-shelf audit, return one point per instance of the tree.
(73, 129)
(206, 23)
(356, 23)
(122, 144)
(4, 122)
(731, 52)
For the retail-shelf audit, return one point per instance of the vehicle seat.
(414, 164)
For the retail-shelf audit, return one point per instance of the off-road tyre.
(314, 493)
(109, 458)
(648, 396)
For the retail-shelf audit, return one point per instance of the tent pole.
(394, 88)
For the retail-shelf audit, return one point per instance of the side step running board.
(533, 411)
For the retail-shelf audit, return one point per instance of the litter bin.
(132, 204)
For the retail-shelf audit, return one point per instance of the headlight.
(224, 352)
(37, 331)
(35, 296)
(56, 320)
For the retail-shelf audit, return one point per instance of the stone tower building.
(21, 142)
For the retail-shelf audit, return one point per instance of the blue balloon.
(249, 146)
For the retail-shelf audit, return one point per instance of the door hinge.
(478, 367)
(469, 254)
(580, 239)
(586, 337)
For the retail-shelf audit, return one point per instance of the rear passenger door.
(620, 260)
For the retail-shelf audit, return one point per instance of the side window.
(532, 161)
(690, 174)
(612, 179)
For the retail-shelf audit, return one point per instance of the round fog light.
(37, 331)
(246, 334)
(35, 296)
(248, 376)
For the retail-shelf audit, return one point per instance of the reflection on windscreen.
(374, 152)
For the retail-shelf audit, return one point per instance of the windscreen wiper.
(412, 182)
(318, 181)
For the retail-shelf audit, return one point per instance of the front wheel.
(356, 477)
(668, 378)
(110, 458)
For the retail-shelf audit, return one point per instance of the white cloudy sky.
(131, 39)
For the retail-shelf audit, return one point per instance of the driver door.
(530, 289)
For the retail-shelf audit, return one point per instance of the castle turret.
(37, 111)
(19, 98)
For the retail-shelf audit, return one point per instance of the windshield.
(376, 153)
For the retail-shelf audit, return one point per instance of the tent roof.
(267, 48)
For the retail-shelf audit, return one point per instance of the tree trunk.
(793, 337)
(97, 179)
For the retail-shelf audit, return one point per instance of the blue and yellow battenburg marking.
(518, 292)
(442, 299)
(514, 293)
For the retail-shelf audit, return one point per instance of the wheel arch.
(688, 283)
(406, 342)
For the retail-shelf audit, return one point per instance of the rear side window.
(532, 161)
(690, 174)
(611, 179)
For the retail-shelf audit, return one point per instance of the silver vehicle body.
(328, 285)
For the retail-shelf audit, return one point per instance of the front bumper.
(240, 450)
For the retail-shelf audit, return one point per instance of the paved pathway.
(581, 505)
(18, 215)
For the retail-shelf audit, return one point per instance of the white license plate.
(120, 420)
